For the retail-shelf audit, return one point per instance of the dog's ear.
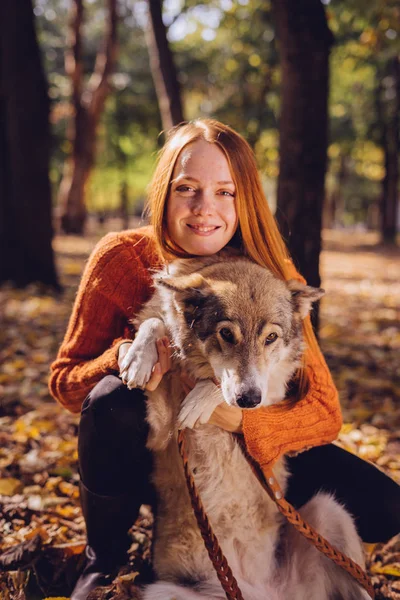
(185, 283)
(303, 296)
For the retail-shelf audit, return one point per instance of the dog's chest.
(233, 498)
(242, 516)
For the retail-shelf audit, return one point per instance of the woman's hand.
(160, 368)
(227, 417)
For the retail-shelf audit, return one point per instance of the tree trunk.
(163, 68)
(88, 107)
(304, 45)
(76, 172)
(124, 212)
(26, 253)
(333, 208)
(391, 137)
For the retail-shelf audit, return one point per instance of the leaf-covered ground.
(40, 519)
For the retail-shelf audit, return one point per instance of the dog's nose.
(250, 399)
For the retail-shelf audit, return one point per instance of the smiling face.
(201, 214)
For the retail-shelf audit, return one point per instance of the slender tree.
(163, 68)
(88, 104)
(304, 45)
(26, 253)
(390, 137)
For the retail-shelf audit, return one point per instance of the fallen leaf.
(10, 486)
(393, 570)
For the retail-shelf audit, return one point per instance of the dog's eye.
(271, 338)
(227, 335)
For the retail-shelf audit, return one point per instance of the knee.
(113, 458)
(104, 392)
(334, 523)
(323, 512)
(110, 403)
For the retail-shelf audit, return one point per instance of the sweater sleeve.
(314, 420)
(114, 285)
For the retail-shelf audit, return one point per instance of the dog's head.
(246, 323)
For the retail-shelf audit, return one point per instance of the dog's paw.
(199, 404)
(138, 364)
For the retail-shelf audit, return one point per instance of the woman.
(205, 194)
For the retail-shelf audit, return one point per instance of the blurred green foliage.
(228, 63)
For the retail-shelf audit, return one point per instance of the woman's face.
(201, 212)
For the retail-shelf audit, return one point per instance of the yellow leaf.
(347, 427)
(38, 531)
(20, 426)
(68, 512)
(43, 425)
(68, 489)
(393, 570)
(72, 268)
(362, 413)
(17, 364)
(39, 357)
(10, 486)
(330, 330)
(369, 548)
(71, 548)
(129, 577)
(34, 433)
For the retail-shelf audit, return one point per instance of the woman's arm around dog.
(313, 420)
(114, 286)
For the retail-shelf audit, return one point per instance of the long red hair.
(257, 236)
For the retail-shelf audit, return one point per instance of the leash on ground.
(271, 486)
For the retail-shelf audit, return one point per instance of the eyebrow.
(264, 323)
(189, 178)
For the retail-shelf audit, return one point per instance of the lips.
(200, 228)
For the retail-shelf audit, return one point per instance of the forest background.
(104, 78)
(227, 63)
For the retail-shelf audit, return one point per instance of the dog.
(237, 329)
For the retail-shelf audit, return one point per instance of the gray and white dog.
(232, 321)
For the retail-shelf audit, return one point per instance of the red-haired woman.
(205, 194)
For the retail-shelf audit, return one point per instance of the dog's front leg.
(199, 404)
(141, 357)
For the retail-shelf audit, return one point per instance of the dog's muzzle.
(250, 399)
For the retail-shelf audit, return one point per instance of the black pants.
(113, 460)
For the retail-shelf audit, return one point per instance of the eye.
(184, 188)
(271, 338)
(227, 193)
(227, 335)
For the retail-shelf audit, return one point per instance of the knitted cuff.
(271, 432)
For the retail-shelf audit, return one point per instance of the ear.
(185, 283)
(303, 296)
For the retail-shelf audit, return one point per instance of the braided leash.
(213, 548)
(273, 489)
(271, 486)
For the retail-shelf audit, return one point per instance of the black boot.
(108, 519)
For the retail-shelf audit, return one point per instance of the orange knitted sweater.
(115, 285)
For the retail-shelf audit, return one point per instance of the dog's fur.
(222, 314)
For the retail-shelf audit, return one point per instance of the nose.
(204, 204)
(250, 399)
